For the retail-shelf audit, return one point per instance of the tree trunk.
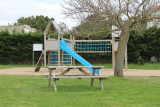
(118, 70)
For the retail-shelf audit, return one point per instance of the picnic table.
(54, 77)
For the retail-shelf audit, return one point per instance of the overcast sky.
(11, 10)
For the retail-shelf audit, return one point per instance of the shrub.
(140, 60)
(17, 48)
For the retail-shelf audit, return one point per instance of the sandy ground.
(108, 72)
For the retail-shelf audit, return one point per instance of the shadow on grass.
(80, 88)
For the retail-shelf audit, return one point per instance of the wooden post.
(59, 54)
(53, 70)
(99, 73)
(54, 80)
(126, 62)
(49, 58)
(49, 80)
(61, 57)
(100, 79)
(54, 83)
(44, 51)
(73, 44)
(92, 80)
(101, 84)
(72, 47)
(33, 58)
(113, 53)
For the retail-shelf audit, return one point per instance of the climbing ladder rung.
(40, 61)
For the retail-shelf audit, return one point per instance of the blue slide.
(63, 46)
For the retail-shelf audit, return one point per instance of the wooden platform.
(62, 75)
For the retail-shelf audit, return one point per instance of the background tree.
(38, 22)
(135, 14)
(63, 27)
(92, 27)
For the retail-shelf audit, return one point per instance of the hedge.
(17, 48)
(144, 46)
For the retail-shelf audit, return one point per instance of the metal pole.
(33, 58)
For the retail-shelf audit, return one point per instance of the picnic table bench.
(93, 75)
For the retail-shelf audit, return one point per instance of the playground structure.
(58, 55)
(63, 51)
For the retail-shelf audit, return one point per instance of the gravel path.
(109, 72)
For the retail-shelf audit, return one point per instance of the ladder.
(39, 63)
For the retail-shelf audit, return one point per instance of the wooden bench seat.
(75, 76)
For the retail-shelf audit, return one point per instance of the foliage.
(17, 48)
(140, 60)
(152, 42)
(146, 46)
(38, 22)
(94, 26)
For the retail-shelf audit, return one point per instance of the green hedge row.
(140, 48)
(17, 48)
(144, 46)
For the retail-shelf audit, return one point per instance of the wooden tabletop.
(75, 67)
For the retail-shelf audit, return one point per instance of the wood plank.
(92, 40)
(101, 85)
(46, 75)
(75, 67)
(93, 51)
(54, 83)
(102, 77)
(84, 72)
(39, 63)
(92, 80)
(66, 71)
(76, 76)
(99, 73)
(49, 80)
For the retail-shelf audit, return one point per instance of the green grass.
(149, 66)
(32, 91)
(146, 66)
(13, 66)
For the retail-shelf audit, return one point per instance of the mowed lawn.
(32, 91)
(146, 66)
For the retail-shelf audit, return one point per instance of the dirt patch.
(109, 72)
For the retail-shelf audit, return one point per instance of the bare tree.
(92, 25)
(135, 13)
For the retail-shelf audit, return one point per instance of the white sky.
(11, 10)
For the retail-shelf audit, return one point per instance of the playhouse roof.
(51, 25)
